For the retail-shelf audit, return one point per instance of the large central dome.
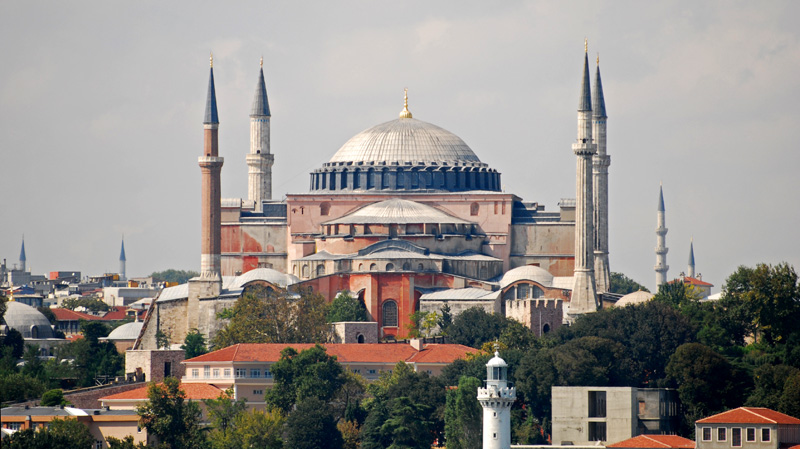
(405, 140)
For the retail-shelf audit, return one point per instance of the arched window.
(34, 332)
(360, 338)
(324, 208)
(536, 292)
(474, 208)
(321, 270)
(373, 267)
(389, 266)
(545, 328)
(406, 266)
(420, 267)
(361, 267)
(390, 313)
(305, 271)
(356, 179)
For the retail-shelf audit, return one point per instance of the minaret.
(210, 167)
(209, 283)
(584, 292)
(122, 261)
(690, 269)
(600, 163)
(22, 259)
(496, 400)
(260, 159)
(661, 242)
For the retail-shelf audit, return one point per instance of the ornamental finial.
(586, 45)
(262, 62)
(405, 113)
(598, 58)
(211, 60)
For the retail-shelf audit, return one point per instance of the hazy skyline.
(101, 108)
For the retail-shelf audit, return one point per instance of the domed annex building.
(407, 217)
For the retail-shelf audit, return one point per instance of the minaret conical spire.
(661, 198)
(600, 164)
(22, 258)
(260, 158)
(122, 251)
(690, 268)
(585, 102)
(661, 267)
(260, 101)
(598, 102)
(122, 260)
(211, 116)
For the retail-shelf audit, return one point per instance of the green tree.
(48, 313)
(407, 425)
(59, 434)
(222, 413)
(463, 415)
(170, 417)
(707, 383)
(474, 327)
(3, 306)
(349, 431)
(163, 339)
(18, 387)
(258, 429)
(52, 398)
(770, 381)
(790, 400)
(619, 283)
(311, 373)
(264, 315)
(446, 319)
(89, 303)
(311, 426)
(93, 330)
(125, 443)
(345, 307)
(768, 297)
(194, 344)
(13, 339)
(174, 276)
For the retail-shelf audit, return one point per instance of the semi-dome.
(528, 273)
(405, 154)
(637, 297)
(27, 321)
(405, 140)
(128, 331)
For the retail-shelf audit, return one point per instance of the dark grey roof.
(211, 101)
(585, 102)
(22, 257)
(599, 102)
(661, 199)
(260, 102)
(122, 251)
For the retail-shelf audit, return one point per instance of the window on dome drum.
(420, 267)
(320, 270)
(406, 266)
(305, 271)
(389, 266)
(722, 434)
(751, 434)
(706, 433)
(736, 437)
(474, 208)
(373, 267)
(390, 313)
(765, 435)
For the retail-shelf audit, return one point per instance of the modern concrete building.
(586, 415)
(747, 428)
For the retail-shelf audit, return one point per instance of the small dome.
(263, 274)
(397, 211)
(27, 321)
(496, 361)
(637, 297)
(128, 331)
(528, 273)
(405, 140)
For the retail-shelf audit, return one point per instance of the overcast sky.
(101, 109)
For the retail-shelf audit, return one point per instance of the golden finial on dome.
(586, 45)
(262, 61)
(211, 60)
(598, 58)
(405, 113)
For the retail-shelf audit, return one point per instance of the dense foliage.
(619, 283)
(345, 307)
(170, 417)
(174, 276)
(59, 434)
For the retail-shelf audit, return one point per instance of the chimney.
(417, 343)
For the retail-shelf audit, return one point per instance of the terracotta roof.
(71, 315)
(74, 337)
(750, 415)
(692, 281)
(193, 391)
(656, 442)
(345, 353)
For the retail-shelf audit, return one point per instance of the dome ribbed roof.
(25, 318)
(128, 331)
(637, 297)
(528, 273)
(405, 140)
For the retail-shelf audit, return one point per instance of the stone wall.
(540, 315)
(152, 364)
(350, 331)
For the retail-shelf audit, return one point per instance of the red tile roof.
(71, 315)
(656, 442)
(345, 353)
(193, 391)
(750, 415)
(692, 281)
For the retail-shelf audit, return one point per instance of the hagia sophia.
(406, 217)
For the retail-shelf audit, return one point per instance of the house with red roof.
(748, 427)
(128, 400)
(655, 442)
(246, 367)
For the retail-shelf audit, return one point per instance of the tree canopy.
(345, 307)
(170, 417)
(174, 276)
(619, 283)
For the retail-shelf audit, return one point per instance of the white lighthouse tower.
(496, 400)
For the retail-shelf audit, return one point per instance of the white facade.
(496, 400)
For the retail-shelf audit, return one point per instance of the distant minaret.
(690, 269)
(661, 242)
(600, 163)
(496, 399)
(122, 261)
(584, 291)
(210, 167)
(22, 259)
(260, 159)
